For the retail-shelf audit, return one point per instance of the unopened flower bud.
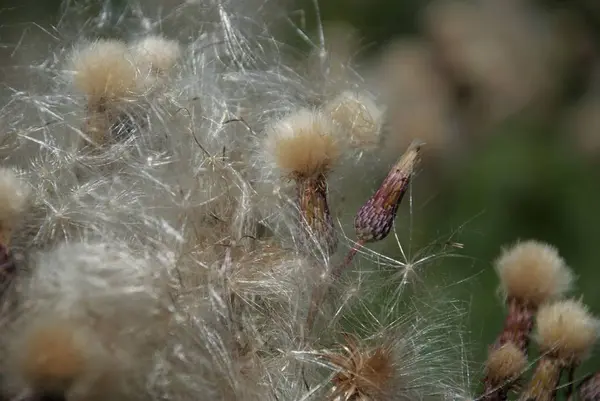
(375, 218)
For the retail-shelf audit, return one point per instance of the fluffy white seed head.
(358, 117)
(156, 53)
(567, 330)
(104, 71)
(505, 363)
(303, 144)
(91, 321)
(54, 356)
(14, 195)
(533, 272)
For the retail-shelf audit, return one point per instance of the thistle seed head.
(504, 364)
(533, 272)
(156, 54)
(358, 118)
(566, 330)
(104, 71)
(303, 144)
(363, 374)
(375, 218)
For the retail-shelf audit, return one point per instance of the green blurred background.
(527, 172)
(518, 156)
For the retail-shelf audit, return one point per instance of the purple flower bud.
(375, 218)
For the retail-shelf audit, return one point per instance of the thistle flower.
(565, 334)
(375, 218)
(105, 73)
(358, 118)
(306, 149)
(531, 273)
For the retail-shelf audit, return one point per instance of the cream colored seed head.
(303, 144)
(52, 355)
(567, 330)
(156, 53)
(505, 363)
(533, 272)
(357, 116)
(104, 71)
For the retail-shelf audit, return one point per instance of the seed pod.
(375, 218)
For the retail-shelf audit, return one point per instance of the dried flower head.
(363, 374)
(304, 143)
(104, 71)
(533, 272)
(358, 117)
(375, 218)
(566, 330)
(51, 356)
(156, 53)
(505, 364)
(305, 148)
